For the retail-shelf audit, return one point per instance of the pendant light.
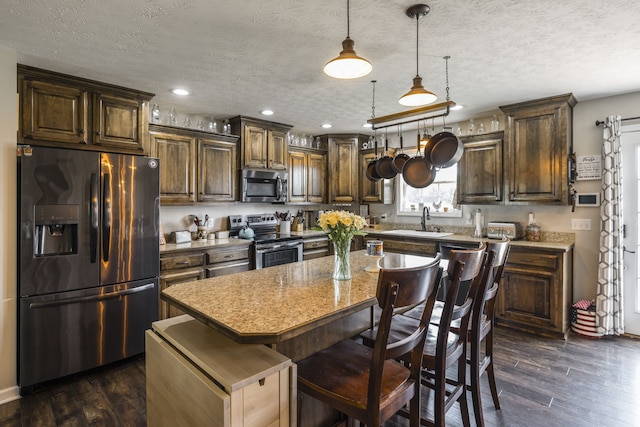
(347, 65)
(418, 95)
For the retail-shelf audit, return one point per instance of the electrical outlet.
(581, 224)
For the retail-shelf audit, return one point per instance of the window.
(440, 196)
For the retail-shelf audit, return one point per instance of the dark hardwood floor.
(542, 382)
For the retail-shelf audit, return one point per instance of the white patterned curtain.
(609, 299)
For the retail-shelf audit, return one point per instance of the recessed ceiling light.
(457, 107)
(266, 112)
(367, 125)
(181, 92)
(326, 125)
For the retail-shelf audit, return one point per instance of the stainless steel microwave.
(264, 186)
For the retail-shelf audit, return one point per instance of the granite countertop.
(203, 244)
(274, 304)
(554, 241)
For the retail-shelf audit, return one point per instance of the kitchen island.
(296, 308)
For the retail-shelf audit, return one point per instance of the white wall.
(8, 126)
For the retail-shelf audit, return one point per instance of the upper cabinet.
(344, 173)
(195, 166)
(380, 191)
(66, 111)
(480, 176)
(524, 165)
(264, 144)
(307, 176)
(538, 141)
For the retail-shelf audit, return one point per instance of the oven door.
(277, 253)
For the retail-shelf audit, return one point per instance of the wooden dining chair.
(481, 322)
(444, 349)
(481, 330)
(368, 384)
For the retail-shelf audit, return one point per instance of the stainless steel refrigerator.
(88, 259)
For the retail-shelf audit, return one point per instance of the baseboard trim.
(9, 394)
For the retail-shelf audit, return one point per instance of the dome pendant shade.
(347, 65)
(418, 95)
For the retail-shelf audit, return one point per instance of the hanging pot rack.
(396, 118)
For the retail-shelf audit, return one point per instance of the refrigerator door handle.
(75, 300)
(106, 217)
(93, 218)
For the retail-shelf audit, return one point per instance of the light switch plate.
(581, 224)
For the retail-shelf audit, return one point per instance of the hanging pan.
(384, 165)
(371, 173)
(417, 171)
(445, 150)
(401, 158)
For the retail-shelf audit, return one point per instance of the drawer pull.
(182, 263)
(261, 382)
(228, 256)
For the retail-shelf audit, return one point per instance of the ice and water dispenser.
(56, 229)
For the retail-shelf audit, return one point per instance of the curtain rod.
(598, 122)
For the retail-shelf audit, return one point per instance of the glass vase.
(341, 260)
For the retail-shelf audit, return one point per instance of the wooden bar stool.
(368, 383)
(444, 349)
(480, 328)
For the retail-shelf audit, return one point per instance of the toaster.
(499, 230)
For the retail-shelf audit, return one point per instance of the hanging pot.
(445, 150)
(371, 173)
(417, 171)
(400, 159)
(384, 165)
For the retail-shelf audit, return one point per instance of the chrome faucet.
(425, 216)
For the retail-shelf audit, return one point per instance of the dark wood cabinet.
(217, 173)
(538, 141)
(177, 154)
(536, 290)
(117, 122)
(480, 173)
(343, 170)
(307, 176)
(405, 245)
(315, 246)
(66, 111)
(195, 166)
(196, 264)
(178, 268)
(263, 144)
(373, 192)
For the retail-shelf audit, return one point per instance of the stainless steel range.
(270, 247)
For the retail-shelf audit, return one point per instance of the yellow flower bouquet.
(341, 227)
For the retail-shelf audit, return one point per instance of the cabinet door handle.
(81, 131)
(98, 133)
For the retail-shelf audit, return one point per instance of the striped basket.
(583, 319)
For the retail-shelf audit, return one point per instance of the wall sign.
(589, 167)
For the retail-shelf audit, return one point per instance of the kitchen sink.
(417, 233)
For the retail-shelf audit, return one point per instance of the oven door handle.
(279, 245)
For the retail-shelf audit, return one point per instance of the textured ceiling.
(239, 57)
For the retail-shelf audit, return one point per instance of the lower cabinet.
(315, 247)
(405, 245)
(536, 291)
(197, 264)
(196, 376)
